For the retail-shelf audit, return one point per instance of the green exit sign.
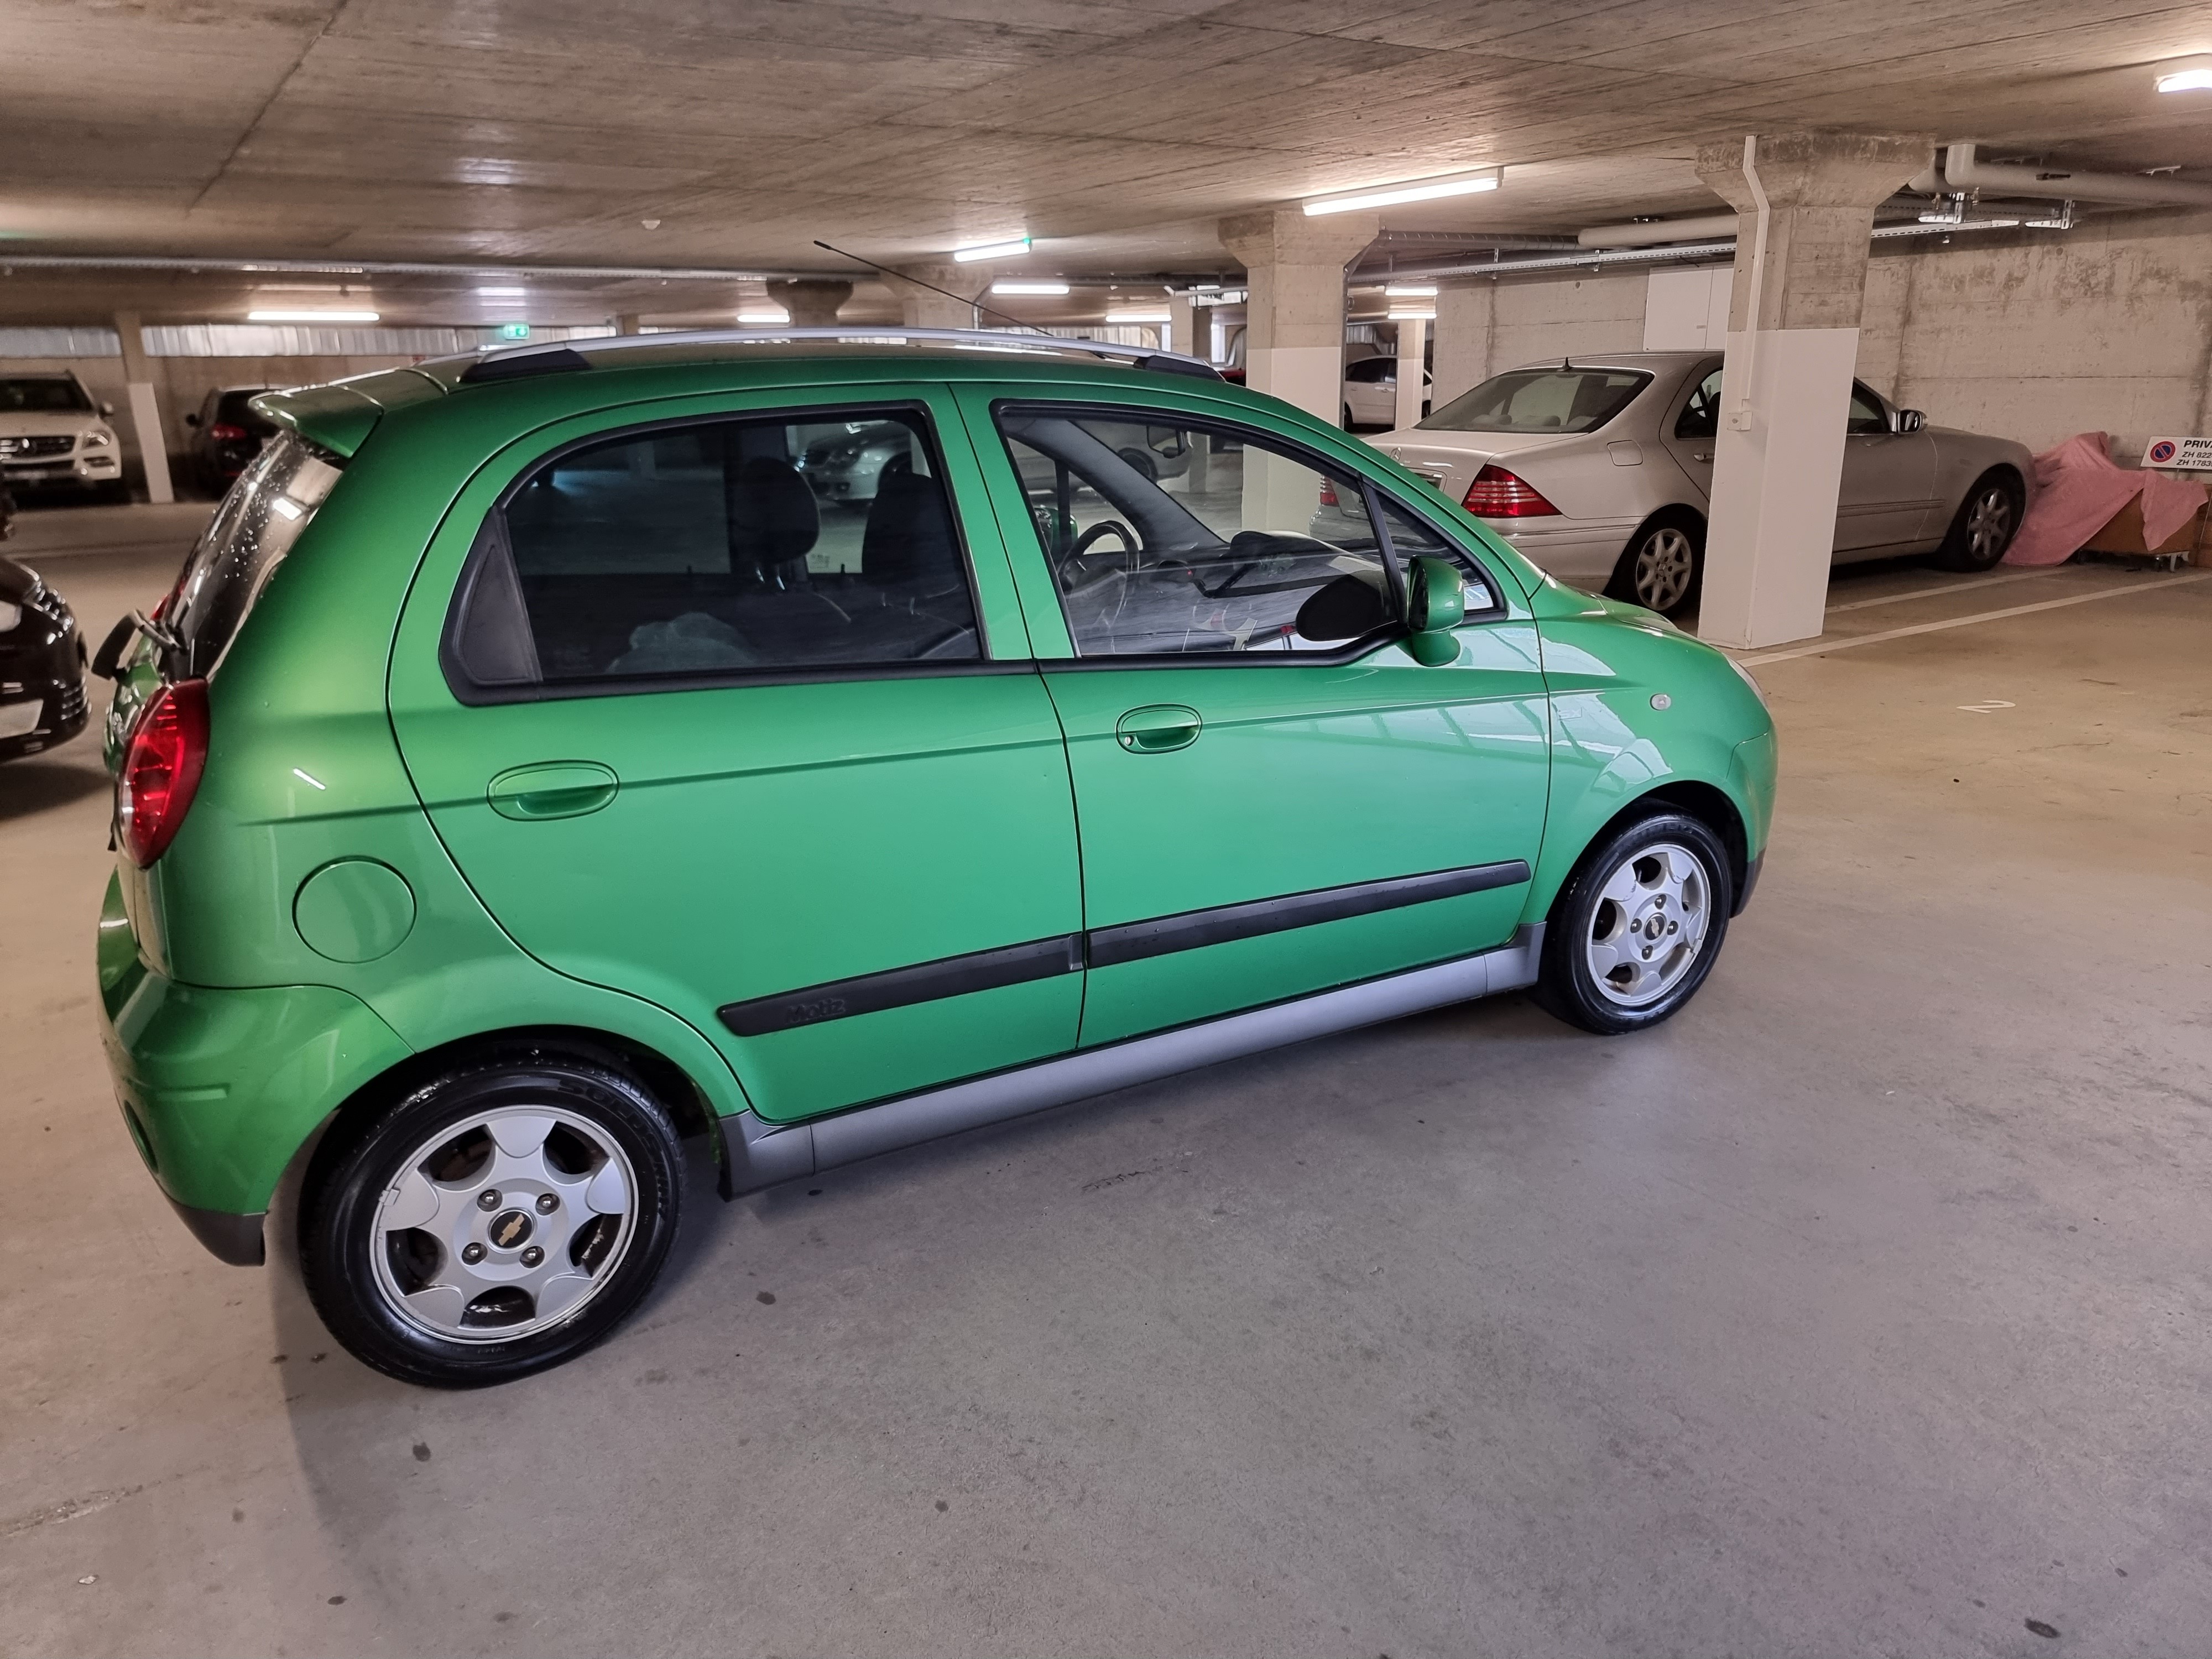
(514, 330)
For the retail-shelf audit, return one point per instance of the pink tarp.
(2078, 488)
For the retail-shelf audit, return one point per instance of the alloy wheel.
(1665, 565)
(1988, 525)
(1650, 925)
(504, 1223)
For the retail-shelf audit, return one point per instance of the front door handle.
(554, 789)
(1157, 729)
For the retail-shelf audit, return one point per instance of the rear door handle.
(1158, 729)
(554, 789)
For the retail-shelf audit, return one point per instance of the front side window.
(1562, 399)
(719, 548)
(1868, 417)
(1171, 536)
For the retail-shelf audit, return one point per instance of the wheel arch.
(1620, 584)
(689, 1104)
(1707, 803)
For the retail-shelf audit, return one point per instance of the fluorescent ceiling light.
(1419, 189)
(502, 292)
(1410, 315)
(1014, 249)
(310, 316)
(1411, 290)
(771, 317)
(1028, 288)
(2197, 77)
(1137, 316)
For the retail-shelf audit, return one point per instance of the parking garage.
(1227, 829)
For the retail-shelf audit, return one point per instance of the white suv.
(53, 436)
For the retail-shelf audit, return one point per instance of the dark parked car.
(227, 435)
(41, 659)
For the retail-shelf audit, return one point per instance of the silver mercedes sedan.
(1599, 469)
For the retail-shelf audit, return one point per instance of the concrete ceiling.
(1114, 131)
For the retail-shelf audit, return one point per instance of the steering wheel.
(1103, 527)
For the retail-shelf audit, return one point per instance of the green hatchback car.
(539, 760)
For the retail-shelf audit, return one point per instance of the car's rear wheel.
(494, 1222)
(1638, 927)
(1663, 565)
(1984, 524)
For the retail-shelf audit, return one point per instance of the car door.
(778, 764)
(1371, 391)
(1888, 482)
(1274, 796)
(1690, 432)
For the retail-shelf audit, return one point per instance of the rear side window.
(272, 501)
(1563, 399)
(719, 549)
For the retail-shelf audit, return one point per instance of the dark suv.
(228, 433)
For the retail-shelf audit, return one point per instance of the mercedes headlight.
(99, 438)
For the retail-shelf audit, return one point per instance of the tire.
(392, 1214)
(1984, 524)
(1662, 569)
(1666, 872)
(1348, 425)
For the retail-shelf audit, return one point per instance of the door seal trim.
(757, 1154)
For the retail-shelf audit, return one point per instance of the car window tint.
(250, 533)
(1166, 536)
(1867, 416)
(1370, 370)
(43, 394)
(1701, 416)
(726, 547)
(1413, 537)
(1563, 399)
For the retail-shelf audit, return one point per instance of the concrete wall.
(180, 384)
(2107, 327)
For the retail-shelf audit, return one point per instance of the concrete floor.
(1861, 1310)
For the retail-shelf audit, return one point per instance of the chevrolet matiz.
(537, 762)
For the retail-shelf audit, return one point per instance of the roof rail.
(518, 362)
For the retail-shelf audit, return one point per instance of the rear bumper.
(220, 1089)
(1581, 552)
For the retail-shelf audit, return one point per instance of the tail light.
(1497, 494)
(1328, 493)
(223, 432)
(161, 771)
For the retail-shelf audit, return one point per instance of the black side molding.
(1102, 947)
(871, 994)
(1132, 941)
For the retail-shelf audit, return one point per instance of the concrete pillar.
(1465, 315)
(920, 308)
(1184, 321)
(1294, 277)
(1792, 343)
(812, 303)
(145, 408)
(1413, 360)
(628, 322)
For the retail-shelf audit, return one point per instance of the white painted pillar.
(1413, 358)
(1805, 205)
(145, 408)
(1465, 313)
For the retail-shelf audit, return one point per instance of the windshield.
(252, 531)
(43, 394)
(1563, 399)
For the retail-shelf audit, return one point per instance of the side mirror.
(193, 419)
(1435, 605)
(1910, 420)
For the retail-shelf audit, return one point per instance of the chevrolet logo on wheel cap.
(509, 1229)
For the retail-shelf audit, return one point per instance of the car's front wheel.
(1637, 928)
(494, 1222)
(1663, 567)
(1984, 524)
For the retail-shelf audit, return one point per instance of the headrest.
(773, 518)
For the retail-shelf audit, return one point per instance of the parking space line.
(1978, 584)
(1819, 647)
